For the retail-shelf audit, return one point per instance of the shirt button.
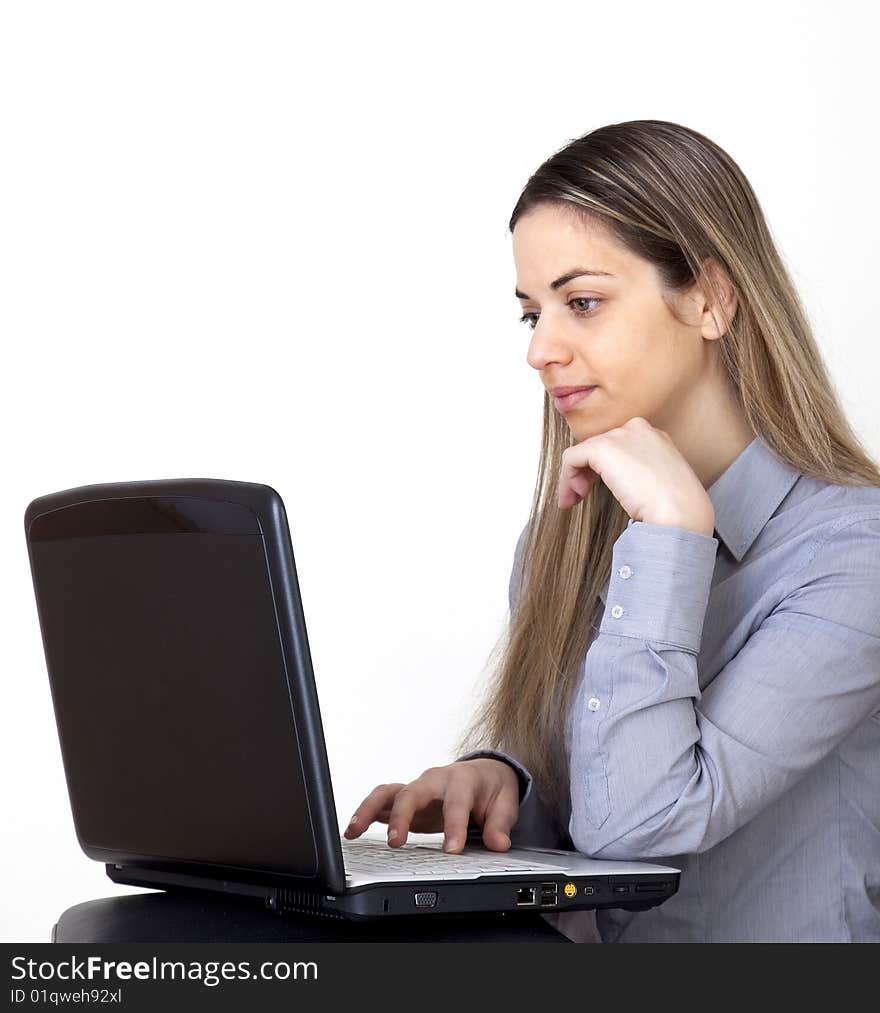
(593, 703)
(625, 572)
(617, 611)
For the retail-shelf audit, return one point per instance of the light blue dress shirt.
(727, 719)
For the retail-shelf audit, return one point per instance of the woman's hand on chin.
(646, 473)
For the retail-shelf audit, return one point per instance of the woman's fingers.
(375, 806)
(445, 798)
(409, 800)
(458, 802)
(575, 481)
(489, 788)
(502, 813)
(575, 489)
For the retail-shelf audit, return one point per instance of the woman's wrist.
(701, 523)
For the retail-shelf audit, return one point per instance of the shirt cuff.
(661, 577)
(523, 776)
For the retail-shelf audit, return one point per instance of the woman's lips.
(563, 404)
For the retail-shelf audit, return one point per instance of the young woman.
(691, 673)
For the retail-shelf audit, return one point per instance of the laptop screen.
(169, 684)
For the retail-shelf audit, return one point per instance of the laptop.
(190, 729)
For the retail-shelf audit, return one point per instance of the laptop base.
(424, 898)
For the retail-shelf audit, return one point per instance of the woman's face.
(613, 331)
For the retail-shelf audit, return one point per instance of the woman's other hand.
(443, 799)
(646, 473)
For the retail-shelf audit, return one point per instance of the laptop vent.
(303, 901)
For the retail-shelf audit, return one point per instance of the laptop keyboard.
(374, 857)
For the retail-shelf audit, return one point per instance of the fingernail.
(392, 833)
(451, 843)
(353, 819)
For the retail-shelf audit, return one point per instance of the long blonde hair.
(675, 198)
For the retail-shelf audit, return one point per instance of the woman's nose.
(545, 348)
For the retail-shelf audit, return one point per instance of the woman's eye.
(533, 317)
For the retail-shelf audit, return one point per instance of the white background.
(268, 242)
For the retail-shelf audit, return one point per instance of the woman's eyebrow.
(575, 272)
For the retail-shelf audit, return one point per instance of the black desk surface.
(201, 917)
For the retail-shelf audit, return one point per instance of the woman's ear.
(719, 300)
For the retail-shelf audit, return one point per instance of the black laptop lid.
(181, 677)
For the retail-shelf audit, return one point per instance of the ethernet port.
(526, 897)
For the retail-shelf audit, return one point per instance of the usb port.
(549, 894)
(651, 887)
(526, 897)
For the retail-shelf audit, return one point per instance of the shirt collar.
(745, 496)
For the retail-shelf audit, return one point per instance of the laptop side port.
(651, 887)
(527, 896)
(427, 898)
(549, 895)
